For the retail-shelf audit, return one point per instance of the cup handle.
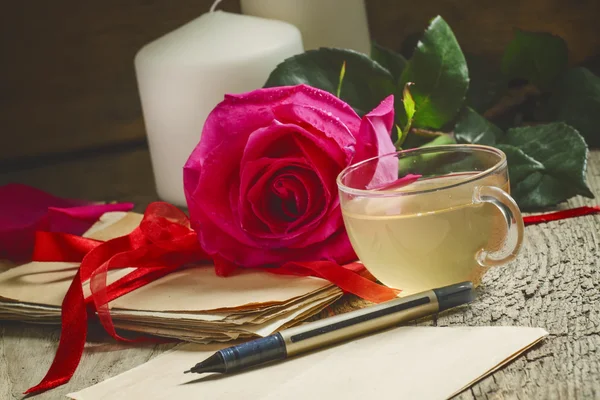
(514, 223)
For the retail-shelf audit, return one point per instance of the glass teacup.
(430, 217)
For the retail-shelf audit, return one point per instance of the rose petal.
(330, 224)
(336, 248)
(326, 124)
(374, 139)
(294, 197)
(276, 140)
(325, 168)
(255, 173)
(319, 161)
(277, 231)
(25, 210)
(240, 114)
(269, 207)
(261, 220)
(77, 220)
(208, 182)
(300, 95)
(406, 180)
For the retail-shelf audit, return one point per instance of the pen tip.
(187, 372)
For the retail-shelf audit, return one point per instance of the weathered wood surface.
(485, 27)
(554, 284)
(67, 80)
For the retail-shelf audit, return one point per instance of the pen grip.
(356, 323)
(254, 352)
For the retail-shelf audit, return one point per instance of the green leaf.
(440, 75)
(520, 165)
(428, 163)
(487, 84)
(406, 116)
(576, 101)
(409, 103)
(366, 83)
(592, 63)
(546, 164)
(401, 137)
(440, 141)
(414, 140)
(341, 79)
(539, 58)
(475, 129)
(388, 59)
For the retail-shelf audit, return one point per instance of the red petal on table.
(25, 210)
(77, 220)
(398, 183)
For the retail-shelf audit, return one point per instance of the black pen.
(292, 341)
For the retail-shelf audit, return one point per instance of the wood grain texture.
(485, 27)
(67, 81)
(554, 284)
(117, 176)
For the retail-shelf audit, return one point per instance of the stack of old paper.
(192, 304)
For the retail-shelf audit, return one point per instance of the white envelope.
(401, 363)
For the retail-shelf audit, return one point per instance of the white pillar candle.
(183, 75)
(323, 23)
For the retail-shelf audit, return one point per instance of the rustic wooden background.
(71, 124)
(67, 85)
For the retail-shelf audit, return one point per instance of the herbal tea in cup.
(431, 217)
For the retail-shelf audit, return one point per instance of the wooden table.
(554, 284)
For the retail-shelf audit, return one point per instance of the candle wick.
(214, 6)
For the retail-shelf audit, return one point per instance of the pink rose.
(261, 184)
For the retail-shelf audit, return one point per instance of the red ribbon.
(563, 214)
(162, 243)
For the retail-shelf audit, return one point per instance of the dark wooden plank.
(485, 27)
(67, 80)
(116, 176)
